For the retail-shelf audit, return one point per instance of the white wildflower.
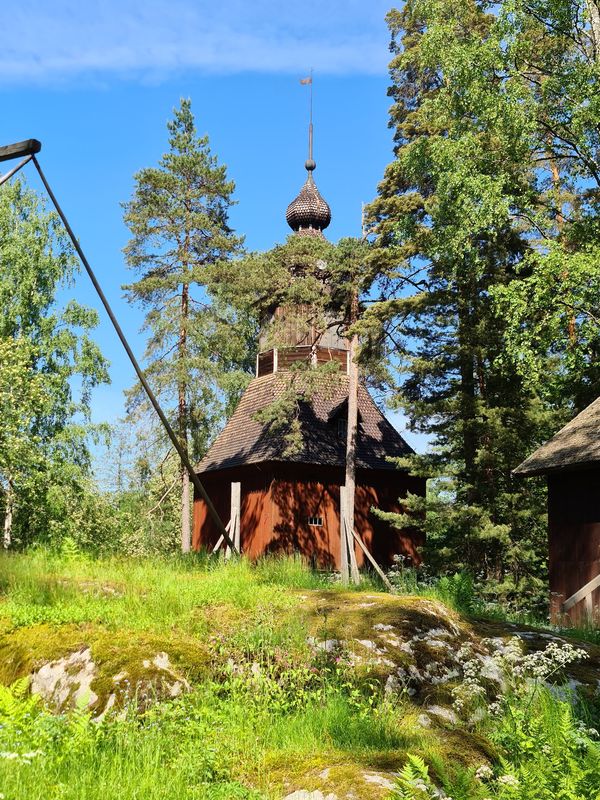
(484, 773)
(495, 709)
(508, 780)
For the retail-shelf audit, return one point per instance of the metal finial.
(310, 162)
(309, 214)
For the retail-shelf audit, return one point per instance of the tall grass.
(146, 594)
(203, 746)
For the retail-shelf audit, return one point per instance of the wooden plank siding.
(287, 357)
(574, 538)
(265, 362)
(278, 499)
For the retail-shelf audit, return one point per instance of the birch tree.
(48, 367)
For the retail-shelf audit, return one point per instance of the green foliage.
(298, 293)
(197, 354)
(553, 333)
(458, 591)
(413, 780)
(270, 710)
(48, 367)
(486, 223)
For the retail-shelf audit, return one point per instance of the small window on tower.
(316, 521)
(342, 428)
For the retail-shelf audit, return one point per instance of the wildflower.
(484, 773)
(508, 780)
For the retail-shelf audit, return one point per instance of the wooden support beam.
(236, 505)
(354, 573)
(343, 538)
(20, 149)
(585, 593)
(221, 538)
(376, 566)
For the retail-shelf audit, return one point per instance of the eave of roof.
(244, 440)
(574, 447)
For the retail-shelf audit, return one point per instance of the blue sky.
(97, 82)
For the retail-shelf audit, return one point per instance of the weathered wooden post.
(349, 567)
(234, 518)
(343, 537)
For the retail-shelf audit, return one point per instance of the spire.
(309, 214)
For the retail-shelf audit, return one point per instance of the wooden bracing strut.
(348, 536)
(233, 526)
(585, 594)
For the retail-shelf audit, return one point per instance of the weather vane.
(308, 81)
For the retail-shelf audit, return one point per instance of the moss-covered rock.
(109, 668)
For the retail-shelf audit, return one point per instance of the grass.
(149, 594)
(281, 718)
(194, 748)
(219, 741)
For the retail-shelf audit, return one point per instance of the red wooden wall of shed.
(278, 499)
(574, 537)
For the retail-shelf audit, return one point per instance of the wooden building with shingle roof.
(571, 462)
(290, 502)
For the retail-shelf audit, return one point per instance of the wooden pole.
(236, 504)
(352, 427)
(344, 527)
(352, 434)
(234, 518)
(376, 566)
(182, 452)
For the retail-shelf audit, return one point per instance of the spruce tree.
(449, 227)
(178, 218)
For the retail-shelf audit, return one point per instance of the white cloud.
(45, 40)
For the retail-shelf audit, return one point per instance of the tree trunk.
(594, 12)
(186, 528)
(467, 402)
(186, 531)
(8, 515)
(560, 221)
(351, 441)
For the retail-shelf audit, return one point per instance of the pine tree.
(195, 356)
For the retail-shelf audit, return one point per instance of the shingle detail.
(575, 446)
(244, 440)
(308, 214)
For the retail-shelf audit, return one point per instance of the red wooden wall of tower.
(277, 501)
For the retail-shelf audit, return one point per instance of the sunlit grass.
(148, 594)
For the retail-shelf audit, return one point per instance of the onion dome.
(308, 214)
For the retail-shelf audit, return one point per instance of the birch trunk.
(594, 11)
(8, 515)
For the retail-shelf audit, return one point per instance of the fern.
(16, 704)
(414, 781)
(69, 549)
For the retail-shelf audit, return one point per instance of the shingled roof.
(576, 446)
(244, 440)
